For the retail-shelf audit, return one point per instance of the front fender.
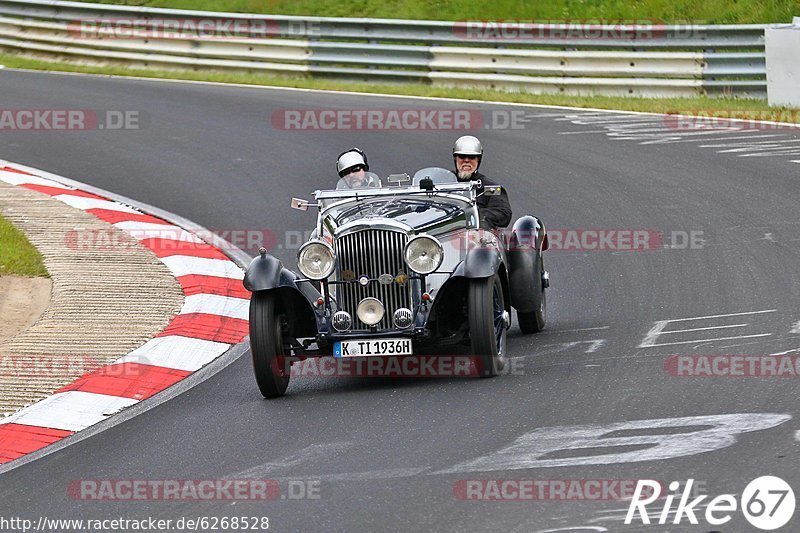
(266, 272)
(297, 300)
(528, 240)
(528, 232)
(482, 262)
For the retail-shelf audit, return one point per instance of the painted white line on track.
(767, 142)
(721, 316)
(703, 329)
(70, 411)
(578, 529)
(651, 132)
(580, 132)
(558, 347)
(774, 147)
(652, 335)
(703, 341)
(665, 137)
(774, 153)
(309, 454)
(659, 326)
(537, 448)
(786, 352)
(586, 119)
(748, 136)
(388, 473)
(595, 345)
(575, 330)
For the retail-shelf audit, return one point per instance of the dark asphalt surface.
(385, 452)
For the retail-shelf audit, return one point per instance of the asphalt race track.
(588, 399)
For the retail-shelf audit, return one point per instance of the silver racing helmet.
(350, 159)
(468, 145)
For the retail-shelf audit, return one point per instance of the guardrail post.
(783, 69)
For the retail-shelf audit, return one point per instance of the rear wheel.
(266, 345)
(534, 321)
(488, 323)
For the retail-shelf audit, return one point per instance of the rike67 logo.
(767, 503)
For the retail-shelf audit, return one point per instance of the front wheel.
(266, 345)
(488, 324)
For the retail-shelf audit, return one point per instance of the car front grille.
(372, 253)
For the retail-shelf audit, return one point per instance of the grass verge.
(739, 107)
(612, 11)
(18, 256)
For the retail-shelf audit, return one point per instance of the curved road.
(589, 398)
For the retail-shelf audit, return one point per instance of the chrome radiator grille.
(371, 253)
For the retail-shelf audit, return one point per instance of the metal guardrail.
(643, 60)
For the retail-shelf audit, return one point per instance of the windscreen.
(359, 180)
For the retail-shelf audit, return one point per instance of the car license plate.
(365, 348)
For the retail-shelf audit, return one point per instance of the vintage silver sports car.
(397, 269)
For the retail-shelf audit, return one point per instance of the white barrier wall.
(783, 64)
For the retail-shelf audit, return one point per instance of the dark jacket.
(495, 211)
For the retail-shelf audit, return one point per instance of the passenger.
(352, 167)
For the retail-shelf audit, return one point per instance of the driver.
(352, 167)
(495, 211)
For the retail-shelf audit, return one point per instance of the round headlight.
(316, 260)
(370, 311)
(423, 254)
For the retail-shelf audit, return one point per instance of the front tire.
(266, 345)
(487, 324)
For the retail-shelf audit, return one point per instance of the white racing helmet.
(468, 145)
(351, 158)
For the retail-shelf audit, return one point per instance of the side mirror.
(300, 204)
